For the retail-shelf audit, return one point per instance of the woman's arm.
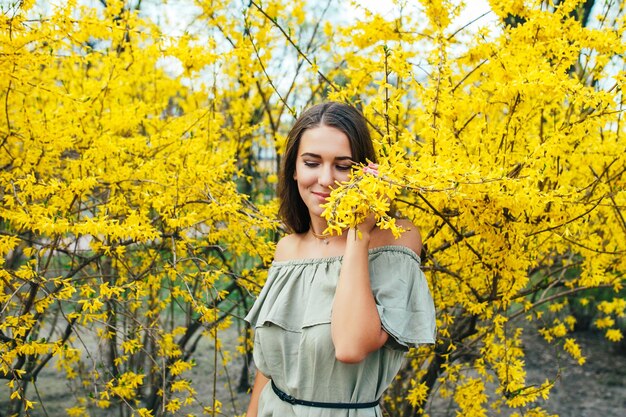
(356, 329)
(259, 383)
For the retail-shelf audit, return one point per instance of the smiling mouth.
(322, 195)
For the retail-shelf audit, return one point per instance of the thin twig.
(552, 298)
(549, 229)
(291, 41)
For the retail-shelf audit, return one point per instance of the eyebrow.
(338, 158)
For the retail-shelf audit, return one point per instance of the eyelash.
(339, 167)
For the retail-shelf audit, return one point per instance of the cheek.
(342, 176)
(304, 178)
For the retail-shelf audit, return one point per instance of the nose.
(326, 177)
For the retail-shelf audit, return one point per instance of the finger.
(371, 170)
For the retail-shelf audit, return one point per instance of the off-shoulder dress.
(292, 342)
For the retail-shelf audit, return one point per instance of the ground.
(595, 389)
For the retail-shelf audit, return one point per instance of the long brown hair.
(343, 117)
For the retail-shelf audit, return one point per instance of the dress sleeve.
(404, 302)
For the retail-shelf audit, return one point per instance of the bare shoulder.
(287, 247)
(410, 237)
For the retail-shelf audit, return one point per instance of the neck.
(317, 232)
(317, 226)
(323, 238)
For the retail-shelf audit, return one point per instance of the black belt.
(294, 401)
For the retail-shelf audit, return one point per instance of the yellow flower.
(614, 335)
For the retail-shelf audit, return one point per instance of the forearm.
(355, 324)
(259, 383)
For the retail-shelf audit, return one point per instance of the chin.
(317, 212)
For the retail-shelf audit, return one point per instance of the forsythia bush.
(124, 237)
(138, 220)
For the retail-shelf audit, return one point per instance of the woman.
(337, 312)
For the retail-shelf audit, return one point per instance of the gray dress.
(293, 346)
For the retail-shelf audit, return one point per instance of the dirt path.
(596, 389)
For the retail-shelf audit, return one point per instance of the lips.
(321, 196)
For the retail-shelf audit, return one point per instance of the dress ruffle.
(299, 293)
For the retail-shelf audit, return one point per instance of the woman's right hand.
(369, 222)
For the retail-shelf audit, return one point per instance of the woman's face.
(324, 158)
